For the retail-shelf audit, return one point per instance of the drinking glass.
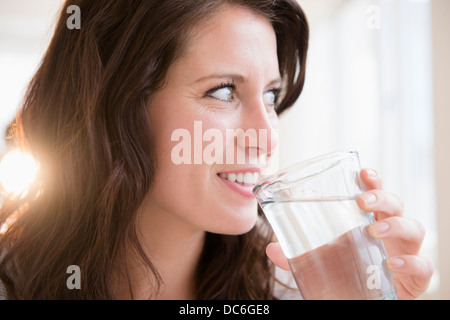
(322, 231)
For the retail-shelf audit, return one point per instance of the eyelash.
(232, 86)
(276, 92)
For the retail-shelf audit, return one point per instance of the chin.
(238, 222)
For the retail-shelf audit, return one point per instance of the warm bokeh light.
(17, 172)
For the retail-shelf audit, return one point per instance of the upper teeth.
(241, 177)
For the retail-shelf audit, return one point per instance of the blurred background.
(376, 82)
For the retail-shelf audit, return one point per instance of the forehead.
(230, 19)
(233, 36)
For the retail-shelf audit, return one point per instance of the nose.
(260, 128)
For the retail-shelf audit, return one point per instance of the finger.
(277, 256)
(412, 273)
(407, 233)
(379, 201)
(371, 179)
(412, 265)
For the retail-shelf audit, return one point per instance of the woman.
(100, 116)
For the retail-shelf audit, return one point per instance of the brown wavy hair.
(84, 119)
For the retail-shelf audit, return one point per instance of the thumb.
(277, 256)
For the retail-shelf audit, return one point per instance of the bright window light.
(17, 172)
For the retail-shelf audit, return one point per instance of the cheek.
(198, 199)
(274, 120)
(173, 187)
(194, 194)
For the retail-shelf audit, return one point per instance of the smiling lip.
(242, 180)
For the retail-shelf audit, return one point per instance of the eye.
(270, 97)
(224, 92)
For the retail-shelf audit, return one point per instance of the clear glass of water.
(313, 211)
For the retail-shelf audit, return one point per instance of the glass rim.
(270, 179)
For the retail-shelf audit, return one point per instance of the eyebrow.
(233, 77)
(230, 76)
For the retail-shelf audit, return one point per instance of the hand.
(402, 238)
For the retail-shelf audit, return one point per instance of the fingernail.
(369, 198)
(380, 227)
(395, 263)
(371, 172)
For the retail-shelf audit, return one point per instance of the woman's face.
(224, 84)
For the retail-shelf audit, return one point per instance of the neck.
(174, 249)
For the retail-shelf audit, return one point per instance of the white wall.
(441, 84)
(369, 87)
